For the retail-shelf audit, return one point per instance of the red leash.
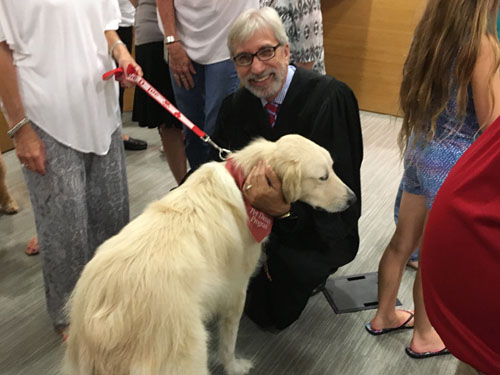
(260, 224)
(152, 92)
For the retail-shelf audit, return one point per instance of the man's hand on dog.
(262, 189)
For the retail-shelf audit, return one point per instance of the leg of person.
(221, 80)
(172, 140)
(7, 204)
(191, 103)
(397, 202)
(259, 300)
(277, 296)
(413, 261)
(413, 212)
(426, 341)
(107, 193)
(60, 209)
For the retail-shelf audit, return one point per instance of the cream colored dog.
(140, 305)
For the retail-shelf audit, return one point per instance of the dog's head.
(305, 170)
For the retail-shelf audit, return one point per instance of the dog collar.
(259, 223)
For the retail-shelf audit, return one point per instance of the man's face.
(264, 79)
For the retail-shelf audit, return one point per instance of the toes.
(407, 317)
(32, 248)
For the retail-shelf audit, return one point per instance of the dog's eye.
(324, 178)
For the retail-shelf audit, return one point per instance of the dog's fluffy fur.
(140, 304)
(7, 204)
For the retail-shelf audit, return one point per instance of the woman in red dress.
(460, 260)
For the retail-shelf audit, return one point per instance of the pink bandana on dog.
(259, 223)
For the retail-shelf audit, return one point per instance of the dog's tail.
(119, 326)
(97, 337)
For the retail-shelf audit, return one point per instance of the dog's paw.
(239, 367)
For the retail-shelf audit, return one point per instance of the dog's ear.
(291, 181)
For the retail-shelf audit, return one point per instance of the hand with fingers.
(181, 66)
(262, 189)
(30, 149)
(123, 63)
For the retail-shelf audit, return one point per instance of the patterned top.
(427, 164)
(303, 23)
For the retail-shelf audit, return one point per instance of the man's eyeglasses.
(263, 54)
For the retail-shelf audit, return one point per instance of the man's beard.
(272, 89)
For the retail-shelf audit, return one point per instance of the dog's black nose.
(352, 199)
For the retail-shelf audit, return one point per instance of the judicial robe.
(304, 249)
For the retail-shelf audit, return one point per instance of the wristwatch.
(169, 39)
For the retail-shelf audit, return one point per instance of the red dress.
(460, 259)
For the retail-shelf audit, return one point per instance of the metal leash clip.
(223, 152)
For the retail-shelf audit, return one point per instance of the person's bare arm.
(134, 3)
(180, 64)
(121, 55)
(486, 95)
(29, 147)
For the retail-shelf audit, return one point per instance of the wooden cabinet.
(366, 42)
(128, 99)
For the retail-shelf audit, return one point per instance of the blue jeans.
(414, 256)
(201, 104)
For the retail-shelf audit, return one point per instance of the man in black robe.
(305, 245)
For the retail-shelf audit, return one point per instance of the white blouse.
(127, 11)
(60, 53)
(202, 26)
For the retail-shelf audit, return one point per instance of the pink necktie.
(272, 110)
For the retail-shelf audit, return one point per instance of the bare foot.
(32, 247)
(395, 320)
(9, 207)
(427, 342)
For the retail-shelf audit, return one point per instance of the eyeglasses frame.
(253, 55)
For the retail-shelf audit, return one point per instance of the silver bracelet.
(112, 48)
(16, 127)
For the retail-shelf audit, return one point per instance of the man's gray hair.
(253, 20)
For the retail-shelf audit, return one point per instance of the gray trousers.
(80, 202)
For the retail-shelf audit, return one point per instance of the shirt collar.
(281, 96)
